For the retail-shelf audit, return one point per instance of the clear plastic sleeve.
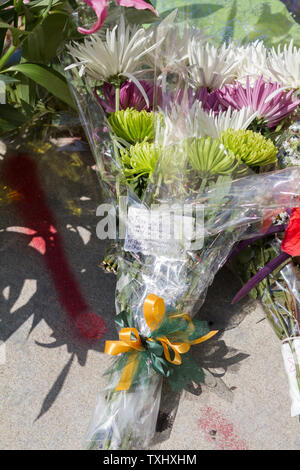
(279, 295)
(182, 169)
(284, 317)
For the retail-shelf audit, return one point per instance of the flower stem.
(118, 98)
(203, 184)
(7, 56)
(48, 9)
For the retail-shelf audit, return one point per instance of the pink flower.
(100, 8)
(183, 96)
(210, 100)
(130, 96)
(273, 109)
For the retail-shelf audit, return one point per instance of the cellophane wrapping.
(229, 198)
(279, 291)
(279, 296)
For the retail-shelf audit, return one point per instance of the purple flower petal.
(273, 110)
(244, 243)
(130, 96)
(260, 276)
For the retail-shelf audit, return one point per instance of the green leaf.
(18, 6)
(242, 20)
(11, 115)
(6, 4)
(6, 126)
(43, 41)
(37, 4)
(4, 25)
(193, 10)
(15, 32)
(7, 15)
(29, 18)
(7, 79)
(25, 91)
(28, 109)
(46, 77)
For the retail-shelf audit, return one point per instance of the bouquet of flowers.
(272, 271)
(267, 262)
(179, 129)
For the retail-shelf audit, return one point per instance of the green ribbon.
(179, 376)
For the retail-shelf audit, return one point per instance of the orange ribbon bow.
(130, 340)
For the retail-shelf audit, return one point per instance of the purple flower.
(210, 100)
(130, 96)
(271, 103)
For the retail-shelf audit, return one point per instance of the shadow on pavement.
(49, 256)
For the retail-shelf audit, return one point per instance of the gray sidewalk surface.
(50, 376)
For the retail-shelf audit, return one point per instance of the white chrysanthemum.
(214, 124)
(284, 65)
(181, 123)
(121, 54)
(172, 54)
(252, 62)
(210, 66)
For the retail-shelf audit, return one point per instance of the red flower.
(291, 240)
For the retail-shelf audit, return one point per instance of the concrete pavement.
(50, 376)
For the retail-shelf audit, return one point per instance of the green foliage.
(240, 20)
(31, 37)
(277, 298)
(46, 77)
(42, 44)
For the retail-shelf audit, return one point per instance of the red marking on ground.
(219, 431)
(90, 324)
(39, 244)
(20, 173)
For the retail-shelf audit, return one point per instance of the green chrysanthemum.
(139, 160)
(250, 147)
(207, 156)
(138, 165)
(172, 162)
(133, 126)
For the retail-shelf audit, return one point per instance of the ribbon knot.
(159, 347)
(126, 342)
